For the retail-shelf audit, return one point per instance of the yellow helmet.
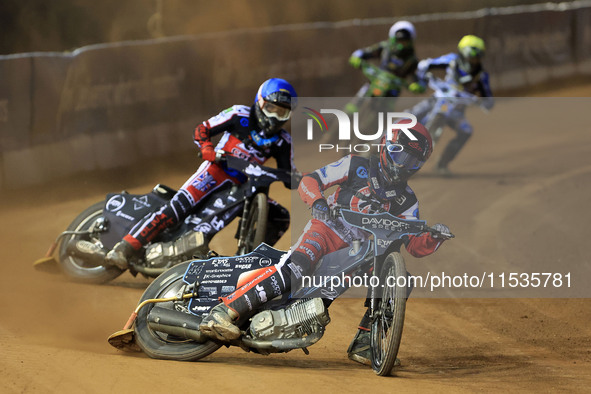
(471, 47)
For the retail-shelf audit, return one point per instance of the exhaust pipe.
(180, 324)
(87, 251)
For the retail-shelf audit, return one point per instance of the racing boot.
(224, 319)
(360, 347)
(120, 254)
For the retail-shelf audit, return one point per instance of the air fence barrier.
(111, 105)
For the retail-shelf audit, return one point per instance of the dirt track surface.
(507, 191)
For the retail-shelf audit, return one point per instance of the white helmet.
(403, 25)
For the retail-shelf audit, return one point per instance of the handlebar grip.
(220, 156)
(439, 234)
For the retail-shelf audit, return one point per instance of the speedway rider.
(463, 69)
(368, 185)
(396, 55)
(252, 133)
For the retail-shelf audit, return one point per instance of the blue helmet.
(273, 104)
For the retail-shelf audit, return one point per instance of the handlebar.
(220, 156)
(372, 71)
(439, 85)
(439, 234)
(335, 213)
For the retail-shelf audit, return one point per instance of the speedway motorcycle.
(447, 98)
(80, 250)
(380, 84)
(165, 324)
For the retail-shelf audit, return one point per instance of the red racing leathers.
(353, 175)
(240, 135)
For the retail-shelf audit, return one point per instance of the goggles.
(274, 111)
(473, 53)
(402, 159)
(400, 42)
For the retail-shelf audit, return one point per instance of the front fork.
(243, 229)
(373, 303)
(243, 223)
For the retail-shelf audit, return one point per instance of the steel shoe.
(219, 324)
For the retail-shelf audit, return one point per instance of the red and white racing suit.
(237, 125)
(352, 174)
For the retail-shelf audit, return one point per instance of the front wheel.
(388, 319)
(256, 224)
(161, 345)
(77, 268)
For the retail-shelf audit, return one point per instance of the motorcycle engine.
(298, 319)
(167, 254)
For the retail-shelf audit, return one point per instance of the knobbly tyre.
(446, 99)
(166, 320)
(80, 250)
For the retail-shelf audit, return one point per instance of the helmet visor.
(275, 111)
(402, 159)
(473, 53)
(400, 43)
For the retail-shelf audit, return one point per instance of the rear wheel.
(256, 224)
(386, 327)
(161, 345)
(77, 268)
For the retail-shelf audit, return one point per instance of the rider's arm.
(313, 184)
(224, 121)
(426, 65)
(203, 141)
(422, 245)
(419, 245)
(370, 52)
(485, 91)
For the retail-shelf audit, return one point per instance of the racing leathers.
(474, 82)
(357, 180)
(240, 138)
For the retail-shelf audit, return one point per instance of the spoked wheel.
(386, 327)
(162, 345)
(77, 268)
(256, 224)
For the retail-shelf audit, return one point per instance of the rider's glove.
(355, 61)
(417, 87)
(320, 210)
(207, 152)
(441, 229)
